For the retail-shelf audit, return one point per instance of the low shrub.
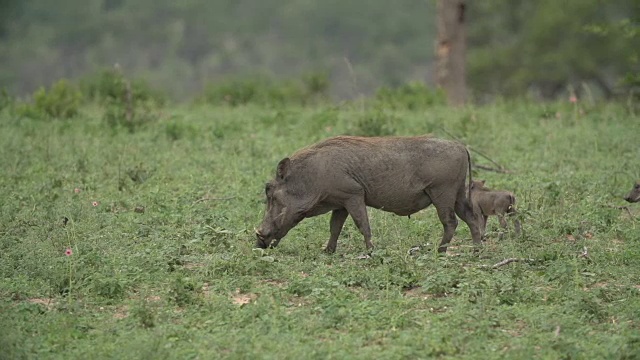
(61, 101)
(410, 96)
(310, 89)
(129, 103)
(374, 123)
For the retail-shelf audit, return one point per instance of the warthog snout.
(634, 195)
(261, 241)
(265, 240)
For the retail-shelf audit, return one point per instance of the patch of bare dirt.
(206, 289)
(601, 284)
(439, 310)
(46, 302)
(242, 298)
(192, 266)
(273, 282)
(121, 312)
(517, 330)
(416, 292)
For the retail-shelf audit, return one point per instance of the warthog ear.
(283, 168)
(482, 181)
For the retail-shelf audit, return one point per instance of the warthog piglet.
(488, 202)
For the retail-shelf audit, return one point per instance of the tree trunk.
(451, 50)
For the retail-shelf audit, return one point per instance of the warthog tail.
(470, 176)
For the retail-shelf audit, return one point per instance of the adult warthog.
(345, 174)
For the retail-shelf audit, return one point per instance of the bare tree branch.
(621, 208)
(487, 168)
(505, 262)
(500, 168)
(510, 260)
(212, 199)
(585, 253)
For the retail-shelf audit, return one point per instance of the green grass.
(182, 279)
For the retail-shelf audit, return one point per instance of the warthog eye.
(267, 188)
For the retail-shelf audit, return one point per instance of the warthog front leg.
(517, 226)
(338, 218)
(513, 215)
(503, 221)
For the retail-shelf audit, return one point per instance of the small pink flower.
(76, 190)
(68, 252)
(573, 99)
(95, 203)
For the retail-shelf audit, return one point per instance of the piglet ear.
(283, 169)
(482, 182)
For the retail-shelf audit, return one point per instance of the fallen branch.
(509, 261)
(584, 253)
(487, 168)
(621, 208)
(490, 159)
(212, 199)
(500, 168)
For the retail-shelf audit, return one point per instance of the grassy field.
(160, 225)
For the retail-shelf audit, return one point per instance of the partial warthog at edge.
(345, 174)
(634, 195)
(492, 202)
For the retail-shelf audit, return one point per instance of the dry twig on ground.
(509, 261)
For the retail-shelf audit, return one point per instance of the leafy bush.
(108, 286)
(410, 96)
(312, 88)
(109, 84)
(374, 123)
(6, 100)
(62, 101)
(129, 102)
(177, 130)
(316, 85)
(183, 291)
(145, 315)
(632, 84)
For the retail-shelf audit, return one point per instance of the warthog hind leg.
(358, 211)
(338, 218)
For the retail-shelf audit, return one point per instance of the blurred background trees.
(515, 47)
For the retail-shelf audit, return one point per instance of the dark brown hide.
(345, 174)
